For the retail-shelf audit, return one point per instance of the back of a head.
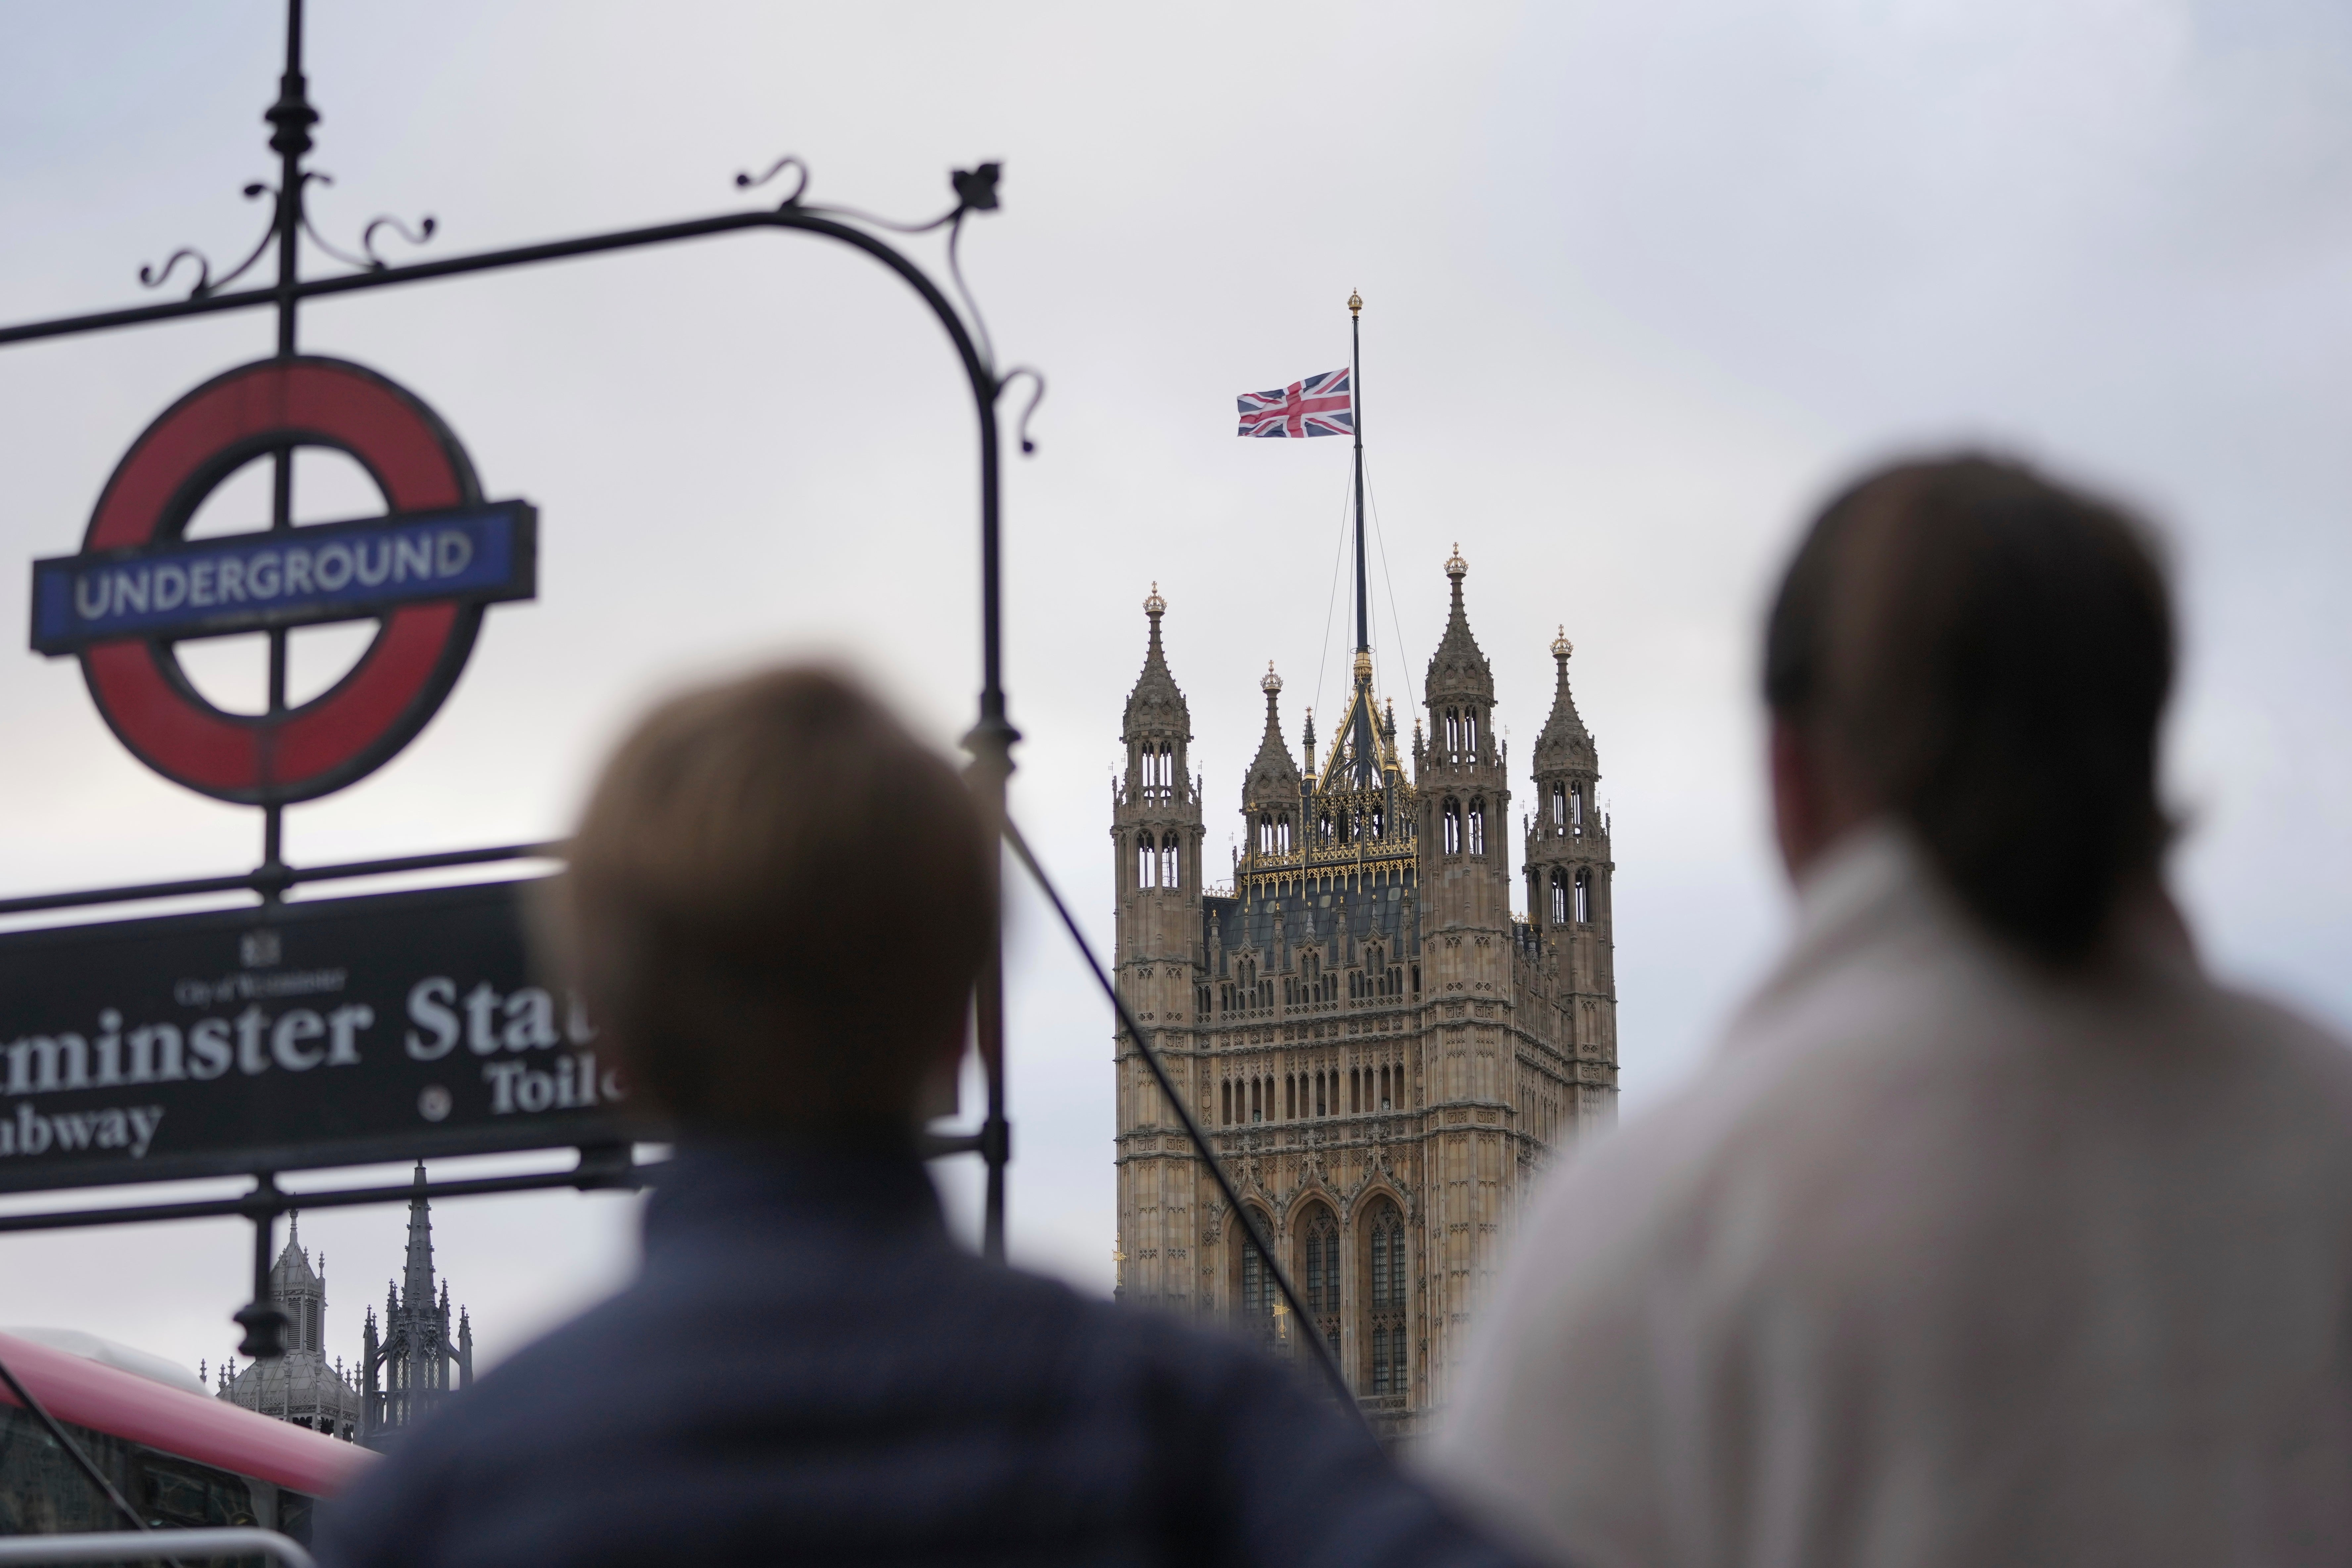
(1987, 655)
(777, 901)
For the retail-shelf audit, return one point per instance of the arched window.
(1478, 826)
(1256, 1294)
(1560, 806)
(1147, 862)
(1380, 822)
(1281, 833)
(1226, 1117)
(1321, 1272)
(1453, 731)
(1583, 895)
(1388, 1090)
(1453, 814)
(1323, 828)
(1559, 897)
(1171, 847)
(1576, 808)
(1470, 731)
(1257, 1104)
(1385, 1318)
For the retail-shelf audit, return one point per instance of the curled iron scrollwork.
(420, 235)
(369, 261)
(975, 192)
(1036, 379)
(367, 258)
(743, 180)
(154, 277)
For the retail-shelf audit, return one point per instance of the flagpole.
(1356, 405)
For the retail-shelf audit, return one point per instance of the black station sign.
(332, 1031)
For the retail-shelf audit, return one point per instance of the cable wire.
(1323, 658)
(1404, 670)
(1143, 1048)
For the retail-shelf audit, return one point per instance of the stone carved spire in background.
(416, 1363)
(298, 1387)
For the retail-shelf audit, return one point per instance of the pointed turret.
(1156, 809)
(1565, 742)
(1270, 789)
(417, 1277)
(1158, 724)
(1460, 688)
(297, 1287)
(1568, 843)
(1464, 798)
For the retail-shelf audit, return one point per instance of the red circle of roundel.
(357, 725)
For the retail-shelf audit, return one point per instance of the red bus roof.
(210, 1431)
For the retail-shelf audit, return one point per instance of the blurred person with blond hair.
(777, 903)
(1996, 1231)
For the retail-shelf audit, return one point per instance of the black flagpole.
(1356, 406)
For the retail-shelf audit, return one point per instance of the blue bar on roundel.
(247, 582)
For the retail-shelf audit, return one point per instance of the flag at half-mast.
(1319, 405)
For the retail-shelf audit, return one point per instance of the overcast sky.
(1641, 284)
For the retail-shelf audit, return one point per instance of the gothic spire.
(1565, 742)
(1457, 670)
(1156, 706)
(416, 1284)
(1273, 775)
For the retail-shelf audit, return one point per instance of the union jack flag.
(1321, 405)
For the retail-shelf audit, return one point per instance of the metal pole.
(290, 118)
(1356, 410)
(264, 1321)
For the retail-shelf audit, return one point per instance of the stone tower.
(298, 1387)
(1569, 873)
(1156, 851)
(1466, 945)
(409, 1368)
(1383, 1054)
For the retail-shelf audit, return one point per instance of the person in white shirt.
(1996, 1232)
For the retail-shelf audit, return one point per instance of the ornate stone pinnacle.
(1560, 647)
(1155, 606)
(1272, 683)
(1455, 567)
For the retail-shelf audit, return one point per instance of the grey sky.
(1642, 283)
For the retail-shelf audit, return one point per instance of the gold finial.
(1155, 606)
(1272, 683)
(1455, 566)
(1364, 666)
(1560, 647)
(1355, 303)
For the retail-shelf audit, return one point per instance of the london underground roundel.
(424, 572)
